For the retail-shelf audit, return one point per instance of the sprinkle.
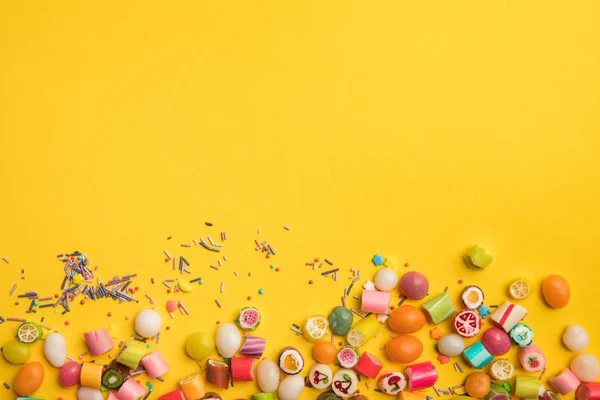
(152, 280)
(446, 289)
(213, 267)
(13, 289)
(16, 319)
(217, 301)
(6, 385)
(225, 258)
(298, 332)
(494, 306)
(296, 326)
(330, 271)
(357, 313)
(220, 263)
(150, 298)
(328, 262)
(309, 264)
(261, 291)
(406, 265)
(182, 306)
(211, 241)
(235, 273)
(195, 280)
(367, 385)
(223, 236)
(166, 284)
(222, 286)
(356, 297)
(195, 242)
(287, 228)
(402, 301)
(436, 391)
(382, 347)
(167, 254)
(169, 238)
(208, 224)
(343, 301)
(458, 366)
(185, 261)
(542, 374)
(186, 245)
(310, 282)
(175, 263)
(6, 260)
(218, 244)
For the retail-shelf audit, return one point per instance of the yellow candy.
(78, 279)
(114, 331)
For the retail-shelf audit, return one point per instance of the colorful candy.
(508, 315)
(290, 387)
(451, 345)
(531, 358)
(324, 352)
(502, 369)
(588, 391)
(347, 356)
(217, 373)
(556, 291)
(566, 382)
(242, 369)
(369, 365)
(70, 374)
(414, 285)
(478, 384)
(112, 378)
(391, 382)
(420, 376)
(374, 301)
(404, 348)
(527, 387)
(477, 355)
(406, 319)
(199, 345)
(192, 387)
(148, 323)
(345, 382)
(131, 390)
(496, 341)
(385, 279)
(254, 346)
(55, 349)
(585, 367)
(478, 258)
(86, 393)
(320, 376)
(340, 320)
(249, 318)
(407, 395)
(29, 379)
(521, 335)
(99, 342)
(575, 338)
(472, 297)
(228, 340)
(467, 323)
(16, 352)
(155, 365)
(176, 394)
(263, 396)
(267, 374)
(439, 308)
(91, 375)
(290, 360)
(132, 354)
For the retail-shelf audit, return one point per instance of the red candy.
(369, 365)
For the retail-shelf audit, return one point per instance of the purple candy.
(253, 347)
(414, 285)
(496, 341)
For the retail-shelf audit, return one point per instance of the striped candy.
(254, 346)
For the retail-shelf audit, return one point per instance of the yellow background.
(412, 128)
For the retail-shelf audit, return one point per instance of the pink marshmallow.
(99, 342)
(131, 390)
(112, 396)
(566, 382)
(155, 364)
(374, 301)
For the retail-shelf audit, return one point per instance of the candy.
(254, 346)
(132, 354)
(451, 345)
(556, 291)
(147, 323)
(406, 319)
(112, 379)
(330, 395)
(172, 306)
(404, 348)
(347, 357)
(478, 258)
(527, 387)
(91, 375)
(420, 376)
(131, 390)
(498, 392)
(217, 373)
(508, 315)
(55, 349)
(531, 358)
(472, 297)
(211, 395)
(86, 393)
(192, 387)
(267, 375)
(391, 382)
(199, 345)
(385, 279)
(29, 379)
(575, 338)
(176, 394)
(29, 332)
(249, 318)
(340, 320)
(414, 285)
(16, 352)
(263, 396)
(467, 323)
(496, 341)
(502, 370)
(585, 367)
(406, 395)
(588, 391)
(439, 308)
(564, 383)
(242, 369)
(290, 360)
(345, 382)
(228, 340)
(155, 365)
(369, 365)
(521, 335)
(324, 352)
(477, 355)
(320, 376)
(291, 387)
(315, 328)
(99, 342)
(478, 384)
(70, 374)
(374, 301)
(363, 331)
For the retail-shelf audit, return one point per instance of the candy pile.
(337, 370)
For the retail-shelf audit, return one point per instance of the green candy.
(16, 352)
(497, 392)
(527, 387)
(263, 396)
(478, 258)
(340, 320)
(440, 308)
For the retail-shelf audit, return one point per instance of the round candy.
(451, 345)
(345, 382)
(320, 376)
(291, 387)
(386, 279)
(324, 352)
(585, 367)
(29, 378)
(404, 348)
(521, 335)
(228, 340)
(86, 393)
(69, 374)
(340, 320)
(391, 382)
(478, 384)
(414, 285)
(16, 352)
(406, 319)
(472, 297)
(147, 323)
(496, 341)
(575, 338)
(199, 345)
(556, 291)
(55, 349)
(467, 323)
(267, 373)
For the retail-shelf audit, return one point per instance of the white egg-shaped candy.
(451, 345)
(291, 387)
(55, 349)
(228, 340)
(386, 279)
(147, 323)
(86, 393)
(268, 376)
(585, 367)
(575, 338)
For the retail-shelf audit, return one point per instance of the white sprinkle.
(211, 241)
(220, 263)
(287, 228)
(235, 273)
(222, 287)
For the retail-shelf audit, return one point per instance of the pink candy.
(374, 301)
(99, 342)
(155, 364)
(131, 390)
(566, 382)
